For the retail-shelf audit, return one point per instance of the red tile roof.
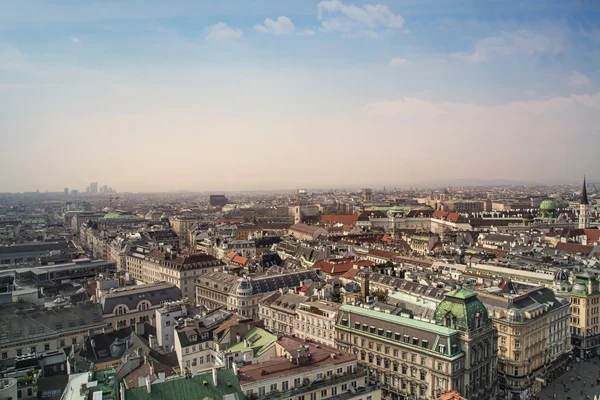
(593, 235)
(382, 253)
(349, 220)
(351, 273)
(574, 248)
(448, 216)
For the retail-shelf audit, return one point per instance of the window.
(416, 341)
(4, 355)
(442, 349)
(440, 366)
(320, 375)
(261, 391)
(201, 360)
(74, 340)
(19, 352)
(46, 346)
(423, 375)
(503, 340)
(323, 393)
(424, 343)
(334, 391)
(273, 387)
(284, 386)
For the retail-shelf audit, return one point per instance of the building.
(94, 187)
(278, 311)
(34, 330)
(315, 321)
(218, 200)
(181, 270)
(307, 371)
(306, 232)
(8, 389)
(96, 385)
(166, 320)
(585, 318)
(242, 294)
(533, 342)
(127, 306)
(14, 255)
(219, 384)
(416, 358)
(48, 276)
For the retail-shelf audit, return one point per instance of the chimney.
(235, 369)
(151, 368)
(141, 381)
(161, 376)
(214, 376)
(148, 385)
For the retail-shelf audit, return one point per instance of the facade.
(47, 275)
(182, 271)
(278, 311)
(166, 321)
(306, 232)
(242, 294)
(420, 359)
(533, 343)
(315, 321)
(124, 307)
(245, 248)
(307, 371)
(585, 315)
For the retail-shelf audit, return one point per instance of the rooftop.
(197, 388)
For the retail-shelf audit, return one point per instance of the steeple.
(584, 198)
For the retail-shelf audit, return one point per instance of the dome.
(164, 217)
(461, 309)
(561, 276)
(548, 205)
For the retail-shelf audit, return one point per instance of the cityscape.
(299, 200)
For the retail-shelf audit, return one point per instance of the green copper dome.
(548, 204)
(462, 310)
(164, 217)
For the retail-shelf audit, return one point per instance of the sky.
(154, 95)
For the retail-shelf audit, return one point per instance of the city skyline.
(232, 96)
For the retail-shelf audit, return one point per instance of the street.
(579, 383)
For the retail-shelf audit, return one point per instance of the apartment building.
(533, 342)
(242, 294)
(278, 311)
(307, 371)
(315, 321)
(181, 270)
(418, 359)
(585, 314)
(126, 306)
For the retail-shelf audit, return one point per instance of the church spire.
(584, 197)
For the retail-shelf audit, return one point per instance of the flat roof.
(397, 319)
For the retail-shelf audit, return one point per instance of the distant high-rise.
(94, 187)
(66, 191)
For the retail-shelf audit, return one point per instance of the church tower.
(584, 208)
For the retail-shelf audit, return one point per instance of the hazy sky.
(222, 95)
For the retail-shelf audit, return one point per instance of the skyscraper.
(94, 187)
(66, 191)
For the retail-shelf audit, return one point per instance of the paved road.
(576, 384)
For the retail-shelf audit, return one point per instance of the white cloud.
(222, 31)
(577, 79)
(283, 26)
(369, 20)
(506, 44)
(75, 39)
(306, 32)
(397, 62)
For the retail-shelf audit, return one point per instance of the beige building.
(418, 359)
(534, 342)
(182, 270)
(307, 371)
(181, 225)
(242, 294)
(585, 314)
(278, 311)
(315, 321)
(306, 232)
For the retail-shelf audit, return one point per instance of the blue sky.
(281, 94)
